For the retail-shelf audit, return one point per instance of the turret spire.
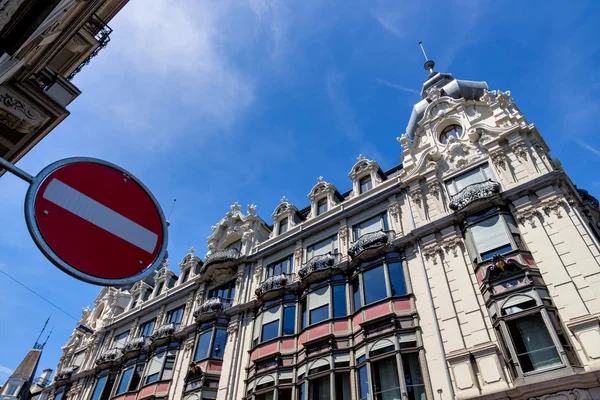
(429, 64)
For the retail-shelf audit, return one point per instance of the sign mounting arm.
(15, 170)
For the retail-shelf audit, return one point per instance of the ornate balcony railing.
(320, 262)
(215, 304)
(588, 199)
(222, 255)
(274, 282)
(101, 31)
(368, 241)
(474, 192)
(110, 355)
(66, 372)
(164, 331)
(135, 344)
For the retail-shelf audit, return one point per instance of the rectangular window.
(319, 314)
(270, 330)
(415, 387)
(159, 289)
(209, 394)
(356, 294)
(397, 279)
(303, 313)
(490, 237)
(225, 291)
(477, 175)
(363, 383)
(322, 206)
(319, 388)
(146, 328)
(285, 394)
(342, 386)
(385, 379)
(289, 320)
(119, 340)
(366, 184)
(79, 358)
(218, 347)
(137, 376)
(174, 316)
(235, 245)
(103, 387)
(186, 275)
(156, 364)
(99, 387)
(533, 344)
(284, 266)
(167, 372)
(339, 301)
(203, 345)
(125, 377)
(11, 390)
(283, 226)
(374, 224)
(301, 392)
(329, 245)
(374, 284)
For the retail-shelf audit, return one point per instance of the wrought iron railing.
(588, 199)
(135, 344)
(101, 31)
(474, 192)
(320, 262)
(274, 282)
(110, 355)
(66, 372)
(165, 330)
(222, 255)
(215, 304)
(370, 240)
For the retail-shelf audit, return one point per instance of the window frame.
(484, 169)
(116, 339)
(211, 343)
(133, 364)
(228, 287)
(169, 316)
(334, 246)
(384, 262)
(283, 226)
(170, 352)
(383, 221)
(515, 241)
(444, 132)
(272, 267)
(322, 206)
(367, 181)
(142, 327)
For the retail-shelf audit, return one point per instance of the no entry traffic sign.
(94, 220)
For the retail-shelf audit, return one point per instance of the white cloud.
(275, 15)
(588, 147)
(396, 86)
(5, 371)
(387, 25)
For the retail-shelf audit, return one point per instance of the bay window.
(131, 375)
(415, 386)
(160, 365)
(374, 224)
(325, 300)
(329, 245)
(339, 301)
(385, 379)
(477, 175)
(277, 319)
(211, 343)
(289, 319)
(284, 266)
(374, 284)
(380, 278)
(363, 383)
(493, 233)
(104, 385)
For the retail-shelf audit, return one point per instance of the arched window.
(450, 131)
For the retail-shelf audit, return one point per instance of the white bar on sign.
(103, 217)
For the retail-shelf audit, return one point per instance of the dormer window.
(283, 226)
(366, 184)
(322, 206)
(450, 131)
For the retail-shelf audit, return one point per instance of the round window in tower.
(450, 131)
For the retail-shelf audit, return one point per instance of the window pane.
(146, 328)
(371, 225)
(342, 386)
(415, 388)
(363, 383)
(99, 386)
(289, 320)
(397, 279)
(125, 376)
(490, 236)
(323, 247)
(469, 178)
(339, 301)
(219, 343)
(303, 313)
(108, 387)
(301, 392)
(285, 394)
(385, 379)
(203, 343)
(283, 226)
(356, 294)
(78, 359)
(270, 330)
(321, 206)
(319, 389)
(120, 339)
(319, 314)
(169, 364)
(137, 376)
(374, 284)
(366, 184)
(155, 366)
(533, 344)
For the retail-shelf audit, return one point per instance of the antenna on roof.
(38, 345)
(171, 212)
(48, 337)
(429, 64)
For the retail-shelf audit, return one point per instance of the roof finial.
(429, 64)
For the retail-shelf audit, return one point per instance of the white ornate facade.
(470, 271)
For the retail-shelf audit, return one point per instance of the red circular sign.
(96, 221)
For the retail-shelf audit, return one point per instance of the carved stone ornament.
(432, 253)
(474, 192)
(554, 206)
(496, 96)
(222, 255)
(215, 304)
(134, 344)
(232, 329)
(528, 215)
(499, 160)
(434, 93)
(394, 210)
(574, 394)
(417, 196)
(163, 331)
(258, 271)
(368, 241)
(434, 188)
(453, 245)
(343, 234)
(251, 210)
(17, 114)
(404, 141)
(520, 150)
(188, 346)
(108, 356)
(298, 253)
(66, 373)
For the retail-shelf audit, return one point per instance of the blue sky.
(212, 102)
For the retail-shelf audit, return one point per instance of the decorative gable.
(364, 168)
(322, 190)
(285, 210)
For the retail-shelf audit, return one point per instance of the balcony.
(370, 240)
(164, 331)
(66, 373)
(135, 344)
(56, 86)
(109, 356)
(101, 32)
(274, 282)
(473, 193)
(319, 263)
(215, 305)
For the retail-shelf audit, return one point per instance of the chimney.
(44, 379)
